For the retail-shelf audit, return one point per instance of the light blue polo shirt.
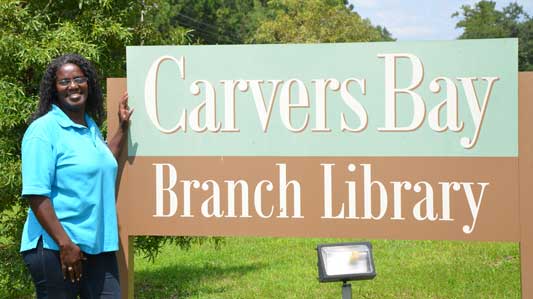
(71, 165)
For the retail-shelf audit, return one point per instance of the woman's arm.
(69, 253)
(124, 114)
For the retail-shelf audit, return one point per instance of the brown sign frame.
(515, 226)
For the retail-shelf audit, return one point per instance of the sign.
(403, 140)
(455, 98)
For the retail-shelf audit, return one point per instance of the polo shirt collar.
(65, 121)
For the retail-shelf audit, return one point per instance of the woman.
(68, 176)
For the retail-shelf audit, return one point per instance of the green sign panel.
(442, 98)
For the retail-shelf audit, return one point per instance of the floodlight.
(345, 262)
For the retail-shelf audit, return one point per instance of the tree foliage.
(208, 21)
(483, 20)
(314, 21)
(253, 21)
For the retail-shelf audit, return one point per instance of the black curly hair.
(48, 92)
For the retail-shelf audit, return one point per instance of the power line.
(214, 34)
(197, 21)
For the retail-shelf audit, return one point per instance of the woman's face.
(72, 88)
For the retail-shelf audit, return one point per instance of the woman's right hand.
(70, 254)
(71, 261)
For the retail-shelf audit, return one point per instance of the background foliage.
(483, 20)
(33, 32)
(314, 21)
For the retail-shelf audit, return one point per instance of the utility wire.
(197, 21)
(214, 34)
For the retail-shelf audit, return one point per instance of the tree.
(314, 21)
(525, 46)
(483, 20)
(208, 21)
(251, 21)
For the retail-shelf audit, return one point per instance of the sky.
(421, 19)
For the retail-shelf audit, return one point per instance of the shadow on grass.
(181, 281)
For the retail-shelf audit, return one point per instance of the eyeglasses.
(77, 80)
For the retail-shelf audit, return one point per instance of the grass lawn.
(286, 268)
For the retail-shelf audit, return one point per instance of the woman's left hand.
(124, 111)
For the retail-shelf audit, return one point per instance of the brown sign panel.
(393, 198)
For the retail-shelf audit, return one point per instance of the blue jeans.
(99, 278)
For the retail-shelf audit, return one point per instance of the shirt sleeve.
(38, 166)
